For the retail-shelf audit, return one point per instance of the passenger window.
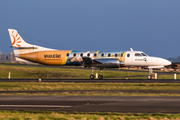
(109, 55)
(81, 54)
(74, 55)
(128, 55)
(67, 54)
(102, 55)
(95, 54)
(116, 55)
(121, 54)
(88, 54)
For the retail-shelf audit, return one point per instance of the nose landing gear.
(149, 77)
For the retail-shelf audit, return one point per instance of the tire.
(91, 76)
(100, 77)
(149, 77)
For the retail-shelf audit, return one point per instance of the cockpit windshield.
(140, 54)
(143, 54)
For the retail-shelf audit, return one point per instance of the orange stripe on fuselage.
(124, 55)
(47, 57)
(97, 53)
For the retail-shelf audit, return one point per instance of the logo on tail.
(16, 38)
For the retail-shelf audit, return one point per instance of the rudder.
(17, 40)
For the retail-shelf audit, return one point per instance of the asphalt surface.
(95, 80)
(123, 104)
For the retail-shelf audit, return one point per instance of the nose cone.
(166, 62)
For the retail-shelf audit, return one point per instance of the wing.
(103, 62)
(90, 61)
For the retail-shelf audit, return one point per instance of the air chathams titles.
(52, 56)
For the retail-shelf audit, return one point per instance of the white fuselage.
(138, 58)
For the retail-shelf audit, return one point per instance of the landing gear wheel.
(91, 76)
(100, 77)
(149, 77)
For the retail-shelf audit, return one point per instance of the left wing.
(103, 62)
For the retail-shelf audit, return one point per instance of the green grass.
(65, 73)
(46, 115)
(34, 86)
(68, 73)
(57, 73)
(37, 72)
(44, 86)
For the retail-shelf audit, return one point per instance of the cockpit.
(139, 54)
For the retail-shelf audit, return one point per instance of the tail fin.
(22, 47)
(17, 41)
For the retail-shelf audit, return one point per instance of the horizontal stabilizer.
(24, 47)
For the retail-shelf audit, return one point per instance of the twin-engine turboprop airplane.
(102, 59)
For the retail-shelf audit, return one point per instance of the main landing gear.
(100, 74)
(92, 76)
(149, 77)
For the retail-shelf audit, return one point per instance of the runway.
(95, 80)
(123, 104)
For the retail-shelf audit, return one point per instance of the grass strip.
(47, 86)
(146, 89)
(68, 73)
(33, 115)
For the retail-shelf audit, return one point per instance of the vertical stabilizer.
(20, 46)
(16, 40)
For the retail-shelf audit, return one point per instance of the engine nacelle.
(108, 63)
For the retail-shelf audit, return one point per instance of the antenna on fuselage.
(131, 49)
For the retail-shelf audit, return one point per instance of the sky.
(151, 26)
